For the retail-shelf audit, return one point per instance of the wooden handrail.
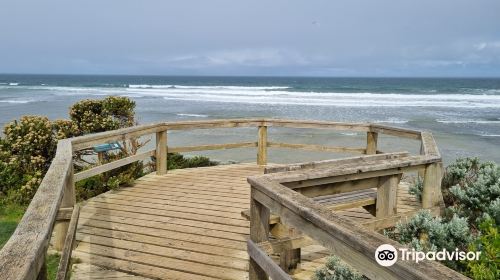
(352, 242)
(23, 255)
(64, 262)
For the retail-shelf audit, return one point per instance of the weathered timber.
(112, 165)
(351, 242)
(262, 145)
(212, 147)
(400, 164)
(332, 162)
(387, 196)
(429, 145)
(371, 143)
(361, 127)
(320, 148)
(64, 262)
(64, 213)
(431, 191)
(90, 140)
(259, 232)
(265, 264)
(161, 152)
(395, 131)
(23, 256)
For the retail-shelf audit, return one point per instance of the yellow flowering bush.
(29, 144)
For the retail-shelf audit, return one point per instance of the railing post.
(262, 146)
(387, 196)
(431, 193)
(68, 201)
(371, 143)
(259, 232)
(161, 152)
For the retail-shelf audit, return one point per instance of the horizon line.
(258, 76)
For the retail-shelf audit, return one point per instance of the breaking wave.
(281, 95)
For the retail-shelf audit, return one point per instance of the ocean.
(462, 113)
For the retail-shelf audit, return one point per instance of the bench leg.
(387, 199)
(290, 260)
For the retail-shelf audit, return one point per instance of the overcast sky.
(243, 37)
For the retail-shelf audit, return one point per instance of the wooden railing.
(53, 206)
(352, 242)
(284, 206)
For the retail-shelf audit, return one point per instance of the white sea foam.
(333, 99)
(132, 95)
(391, 120)
(145, 86)
(193, 115)
(280, 95)
(349, 133)
(16, 101)
(13, 84)
(490, 135)
(150, 86)
(276, 95)
(468, 121)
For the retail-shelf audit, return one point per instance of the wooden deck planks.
(185, 224)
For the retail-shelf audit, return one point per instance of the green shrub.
(336, 269)
(424, 232)
(178, 161)
(91, 116)
(417, 188)
(27, 148)
(488, 243)
(30, 143)
(471, 189)
(461, 173)
(477, 195)
(65, 129)
(90, 187)
(9, 177)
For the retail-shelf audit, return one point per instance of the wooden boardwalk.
(186, 224)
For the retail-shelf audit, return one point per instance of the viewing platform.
(236, 221)
(186, 224)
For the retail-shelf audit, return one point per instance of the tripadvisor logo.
(387, 255)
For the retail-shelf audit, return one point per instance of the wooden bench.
(336, 202)
(368, 181)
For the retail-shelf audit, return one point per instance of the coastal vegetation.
(28, 146)
(471, 191)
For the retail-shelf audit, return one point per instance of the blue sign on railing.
(107, 147)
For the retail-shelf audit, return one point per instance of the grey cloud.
(223, 37)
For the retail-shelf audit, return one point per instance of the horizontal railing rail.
(23, 256)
